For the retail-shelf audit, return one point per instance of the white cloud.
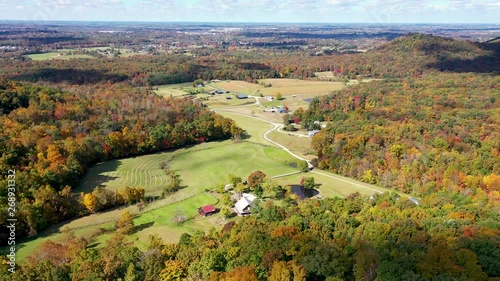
(381, 11)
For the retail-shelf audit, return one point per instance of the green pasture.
(58, 55)
(254, 128)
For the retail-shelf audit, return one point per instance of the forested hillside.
(438, 132)
(449, 236)
(50, 136)
(410, 55)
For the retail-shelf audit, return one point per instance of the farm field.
(237, 86)
(333, 185)
(202, 166)
(298, 145)
(288, 87)
(66, 53)
(97, 228)
(180, 89)
(218, 101)
(57, 55)
(254, 128)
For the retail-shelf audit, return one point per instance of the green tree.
(303, 166)
(131, 274)
(234, 179)
(271, 189)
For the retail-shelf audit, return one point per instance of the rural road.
(277, 127)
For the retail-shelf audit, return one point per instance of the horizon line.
(246, 22)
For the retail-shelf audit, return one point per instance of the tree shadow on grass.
(141, 227)
(96, 177)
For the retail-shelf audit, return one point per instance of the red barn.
(207, 210)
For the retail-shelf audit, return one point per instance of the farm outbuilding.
(241, 96)
(242, 207)
(207, 210)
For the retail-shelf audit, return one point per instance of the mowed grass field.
(333, 185)
(254, 128)
(201, 167)
(57, 55)
(65, 54)
(237, 86)
(289, 87)
(298, 145)
(176, 90)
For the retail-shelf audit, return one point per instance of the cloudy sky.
(330, 11)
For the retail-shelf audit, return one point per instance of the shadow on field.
(143, 226)
(96, 177)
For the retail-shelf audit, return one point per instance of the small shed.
(241, 96)
(207, 210)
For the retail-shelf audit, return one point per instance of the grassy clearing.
(333, 185)
(289, 87)
(209, 167)
(298, 145)
(238, 86)
(326, 75)
(201, 167)
(254, 128)
(161, 221)
(57, 55)
(218, 101)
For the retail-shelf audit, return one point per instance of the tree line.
(50, 136)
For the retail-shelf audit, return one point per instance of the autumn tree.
(125, 223)
(173, 271)
(90, 202)
(256, 179)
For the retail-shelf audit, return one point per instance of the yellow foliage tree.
(125, 223)
(90, 202)
(173, 271)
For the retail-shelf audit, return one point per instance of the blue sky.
(328, 11)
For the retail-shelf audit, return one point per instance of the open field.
(66, 53)
(298, 145)
(180, 89)
(289, 87)
(218, 101)
(99, 227)
(200, 167)
(238, 86)
(255, 128)
(326, 75)
(333, 185)
(160, 221)
(57, 55)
